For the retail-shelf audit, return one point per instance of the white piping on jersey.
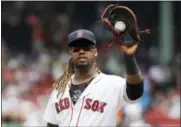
(72, 112)
(80, 111)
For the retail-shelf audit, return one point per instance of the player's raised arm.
(134, 80)
(121, 21)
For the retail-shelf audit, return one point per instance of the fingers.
(105, 11)
(128, 50)
(106, 21)
(109, 26)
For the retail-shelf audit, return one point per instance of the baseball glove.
(127, 40)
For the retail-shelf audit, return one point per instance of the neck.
(82, 74)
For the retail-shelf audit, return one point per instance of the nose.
(81, 50)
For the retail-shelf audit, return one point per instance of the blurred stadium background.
(34, 54)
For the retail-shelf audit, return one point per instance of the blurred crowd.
(34, 55)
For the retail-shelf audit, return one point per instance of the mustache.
(82, 57)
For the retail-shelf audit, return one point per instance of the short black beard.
(85, 68)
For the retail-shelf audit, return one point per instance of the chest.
(93, 108)
(99, 100)
(98, 97)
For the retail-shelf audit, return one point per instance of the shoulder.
(53, 94)
(114, 79)
(113, 83)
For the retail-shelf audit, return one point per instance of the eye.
(75, 49)
(87, 48)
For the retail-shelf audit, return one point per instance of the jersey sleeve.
(121, 83)
(125, 96)
(50, 112)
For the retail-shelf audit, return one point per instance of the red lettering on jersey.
(101, 108)
(62, 104)
(62, 107)
(67, 103)
(88, 103)
(57, 107)
(95, 105)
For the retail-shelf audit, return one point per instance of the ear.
(95, 54)
(69, 53)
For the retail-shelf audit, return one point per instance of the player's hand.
(128, 40)
(125, 48)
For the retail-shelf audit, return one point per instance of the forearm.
(134, 80)
(133, 73)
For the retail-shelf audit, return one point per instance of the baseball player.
(85, 96)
